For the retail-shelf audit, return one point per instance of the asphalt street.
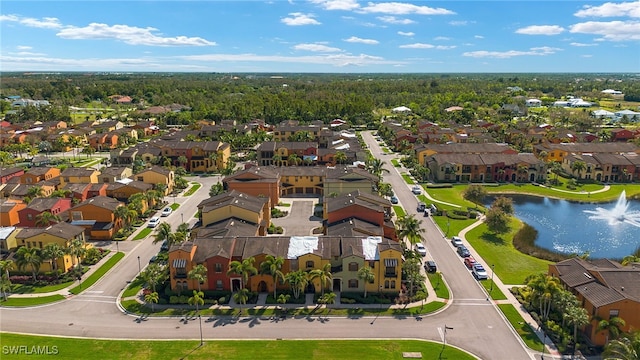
(478, 325)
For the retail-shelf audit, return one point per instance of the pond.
(565, 227)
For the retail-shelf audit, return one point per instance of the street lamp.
(444, 336)
(139, 267)
(117, 246)
(201, 340)
(493, 267)
(182, 215)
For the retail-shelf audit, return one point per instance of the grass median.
(93, 278)
(31, 301)
(143, 234)
(193, 189)
(68, 348)
(522, 328)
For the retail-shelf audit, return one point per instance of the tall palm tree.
(298, 281)
(629, 259)
(579, 167)
(77, 250)
(376, 166)
(164, 233)
(544, 288)
(340, 157)
(153, 275)
(522, 171)
(62, 193)
(241, 297)
(52, 252)
(409, 227)
(324, 275)
(578, 317)
(151, 298)
(367, 276)
(198, 273)
(182, 160)
(272, 265)
(122, 213)
(29, 257)
(213, 159)
(625, 348)
(45, 219)
(5, 280)
(34, 192)
(613, 327)
(136, 202)
(243, 268)
(197, 300)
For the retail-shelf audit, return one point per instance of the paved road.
(477, 325)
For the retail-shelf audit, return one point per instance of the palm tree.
(122, 213)
(34, 192)
(376, 166)
(243, 268)
(277, 160)
(625, 348)
(578, 317)
(198, 273)
(197, 300)
(213, 159)
(327, 299)
(340, 157)
(151, 298)
(52, 252)
(522, 171)
(164, 233)
(29, 257)
(293, 159)
(136, 202)
(150, 197)
(182, 160)
(298, 281)
(324, 275)
(241, 297)
(153, 275)
(578, 166)
(410, 227)
(629, 259)
(272, 265)
(77, 250)
(543, 290)
(367, 276)
(613, 327)
(45, 218)
(5, 280)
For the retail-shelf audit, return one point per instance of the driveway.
(300, 220)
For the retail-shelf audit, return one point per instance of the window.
(386, 284)
(140, 178)
(614, 313)
(353, 266)
(40, 244)
(29, 216)
(353, 283)
(218, 267)
(309, 264)
(218, 284)
(393, 284)
(66, 179)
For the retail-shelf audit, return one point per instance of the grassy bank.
(30, 301)
(232, 350)
(93, 278)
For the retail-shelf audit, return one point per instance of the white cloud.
(44, 23)
(441, 38)
(581, 44)
(26, 53)
(406, 33)
(129, 34)
(478, 36)
(355, 39)
(24, 47)
(426, 46)
(316, 48)
(395, 20)
(586, 56)
(458, 23)
(541, 30)
(611, 31)
(537, 51)
(398, 8)
(298, 19)
(337, 4)
(630, 9)
(334, 59)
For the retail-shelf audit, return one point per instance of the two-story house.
(96, 216)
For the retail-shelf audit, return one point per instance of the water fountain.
(619, 214)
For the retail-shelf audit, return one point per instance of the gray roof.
(62, 229)
(233, 198)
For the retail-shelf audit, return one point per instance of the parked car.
(421, 207)
(164, 246)
(394, 199)
(153, 222)
(421, 249)
(456, 241)
(430, 266)
(416, 190)
(463, 251)
(469, 261)
(153, 259)
(167, 211)
(479, 272)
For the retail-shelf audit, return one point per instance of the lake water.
(563, 226)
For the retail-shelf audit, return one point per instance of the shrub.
(524, 241)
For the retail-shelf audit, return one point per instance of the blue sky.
(328, 36)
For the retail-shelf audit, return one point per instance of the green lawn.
(142, 234)
(523, 329)
(192, 189)
(395, 163)
(111, 262)
(494, 292)
(451, 195)
(399, 210)
(407, 179)
(174, 206)
(581, 194)
(442, 291)
(28, 289)
(133, 288)
(68, 348)
(31, 301)
(511, 265)
(454, 225)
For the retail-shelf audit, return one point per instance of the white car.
(417, 190)
(456, 241)
(154, 222)
(479, 272)
(421, 249)
(167, 211)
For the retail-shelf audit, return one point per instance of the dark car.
(463, 251)
(153, 259)
(430, 266)
(164, 246)
(394, 199)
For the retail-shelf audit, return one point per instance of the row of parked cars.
(478, 271)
